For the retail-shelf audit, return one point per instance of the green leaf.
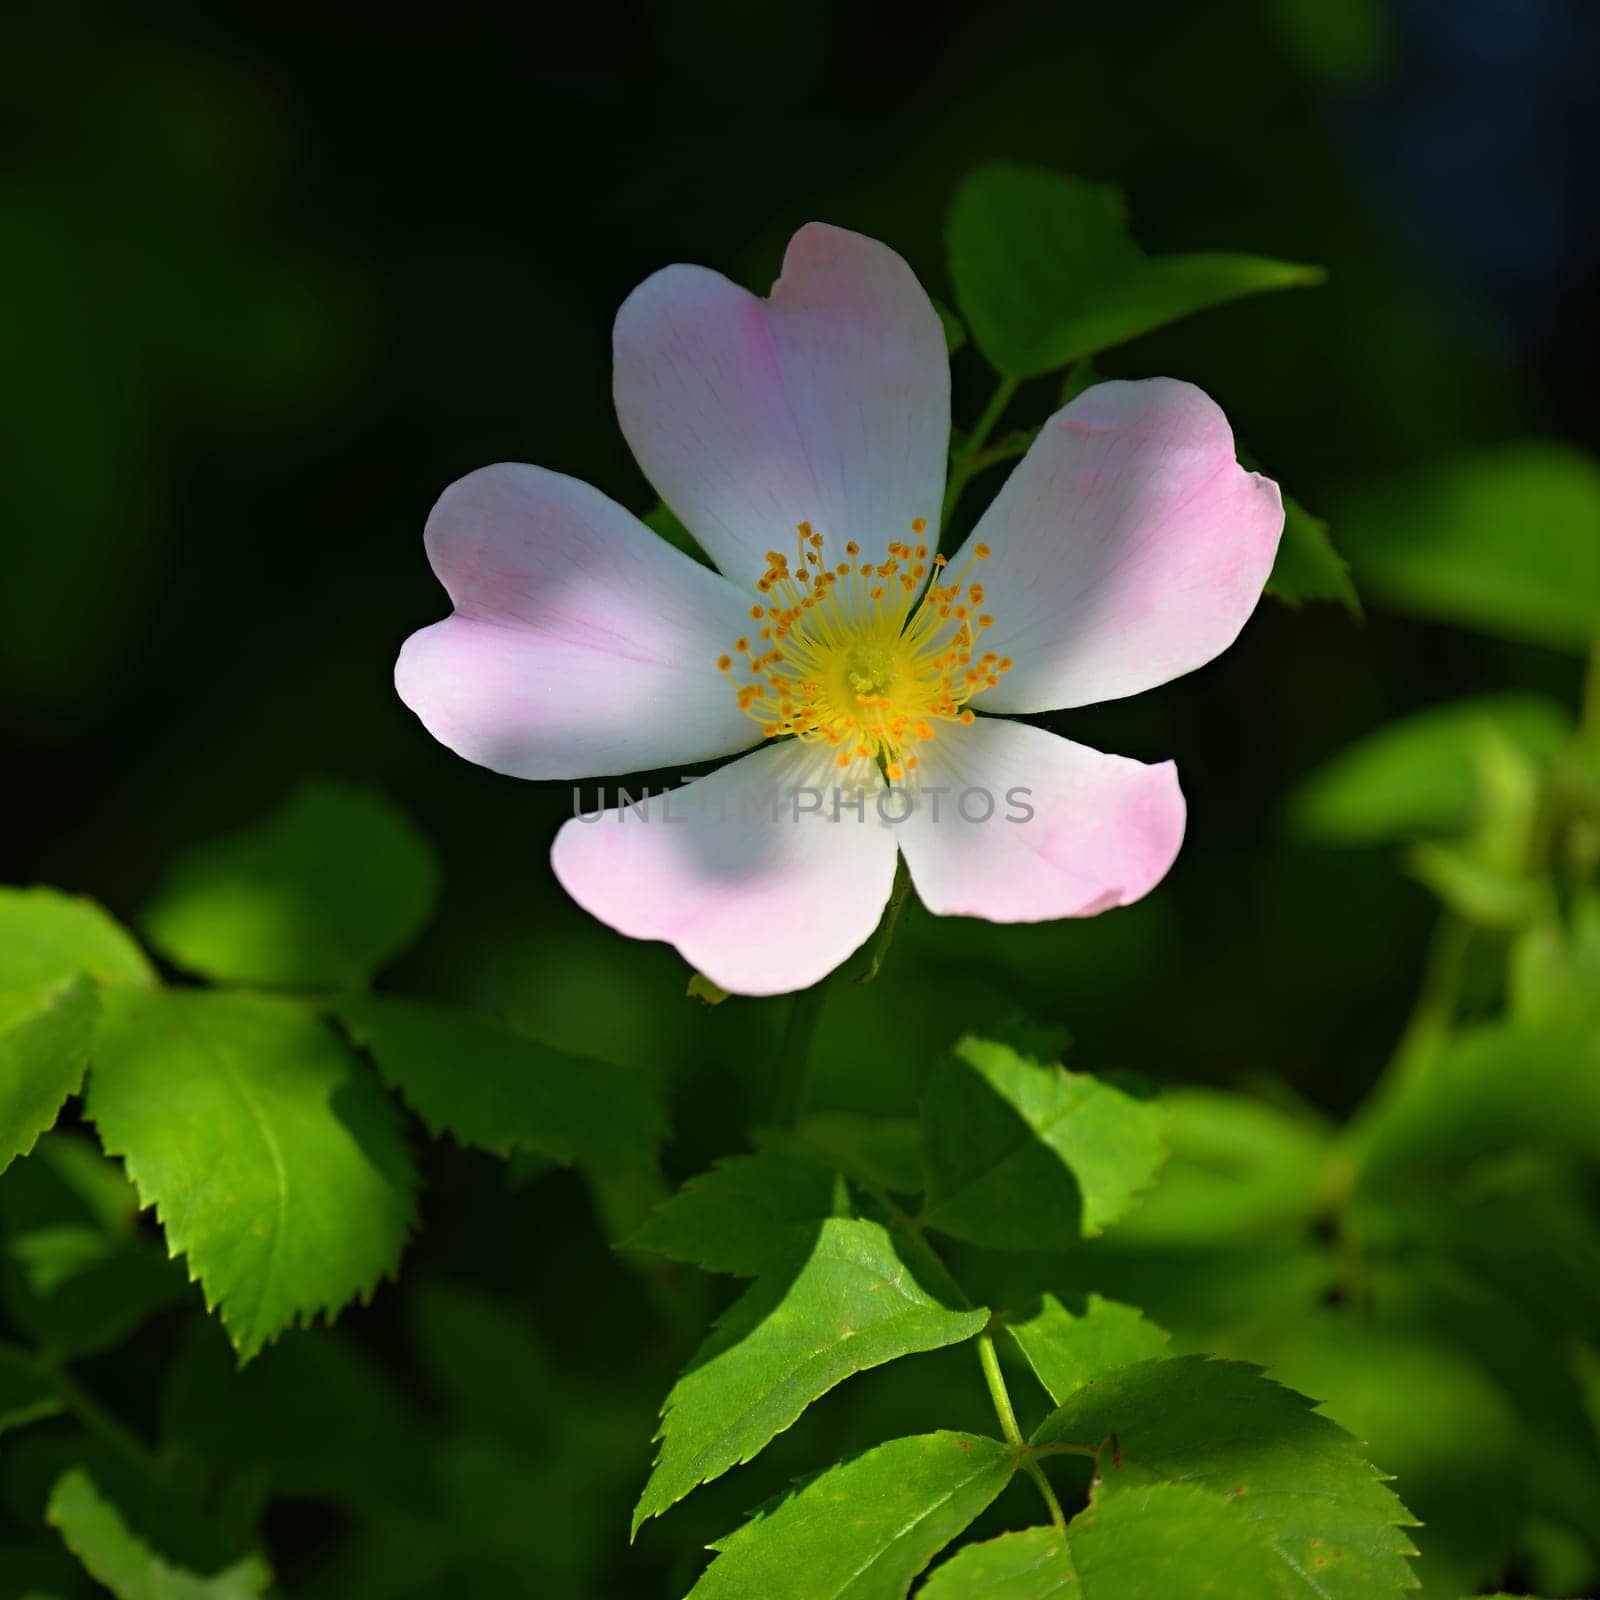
(1506, 541)
(1023, 1155)
(1307, 567)
(1045, 271)
(1333, 1529)
(746, 1214)
(1423, 773)
(274, 1161)
(93, 1530)
(78, 1275)
(955, 333)
(26, 1394)
(44, 1048)
(848, 1304)
(318, 895)
(1068, 1349)
(865, 1529)
(1155, 1543)
(47, 937)
(471, 1076)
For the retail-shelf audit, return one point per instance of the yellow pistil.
(863, 657)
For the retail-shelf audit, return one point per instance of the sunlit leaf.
(863, 1530)
(1333, 1529)
(1507, 541)
(1023, 1155)
(93, 1530)
(44, 1047)
(846, 1304)
(1046, 272)
(1421, 774)
(1069, 1348)
(275, 1162)
(319, 894)
(471, 1076)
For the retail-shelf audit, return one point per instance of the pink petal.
(760, 904)
(1128, 548)
(1104, 829)
(582, 644)
(827, 403)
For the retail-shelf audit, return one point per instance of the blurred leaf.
(746, 1214)
(1024, 1155)
(1068, 1349)
(1307, 567)
(660, 519)
(47, 937)
(471, 1076)
(1476, 891)
(955, 333)
(1322, 1512)
(1344, 43)
(882, 1152)
(701, 988)
(274, 1161)
(26, 1394)
(78, 1275)
(1045, 271)
(1507, 541)
(849, 1303)
(1421, 774)
(865, 1529)
(44, 1047)
(1154, 1543)
(93, 1530)
(318, 895)
(1492, 1089)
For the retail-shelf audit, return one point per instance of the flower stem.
(884, 937)
(964, 459)
(794, 1056)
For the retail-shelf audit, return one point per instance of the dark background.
(273, 276)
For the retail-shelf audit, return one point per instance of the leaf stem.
(884, 937)
(794, 1057)
(963, 460)
(1434, 1013)
(989, 1359)
(94, 1416)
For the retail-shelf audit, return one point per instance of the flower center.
(858, 655)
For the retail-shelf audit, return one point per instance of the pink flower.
(803, 440)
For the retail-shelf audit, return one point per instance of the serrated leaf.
(1307, 567)
(1507, 541)
(1046, 273)
(1421, 774)
(275, 1163)
(93, 1530)
(47, 938)
(1023, 1155)
(471, 1076)
(26, 1394)
(862, 1530)
(318, 895)
(746, 1214)
(849, 1304)
(1070, 1348)
(78, 1276)
(1333, 1527)
(1153, 1543)
(44, 1048)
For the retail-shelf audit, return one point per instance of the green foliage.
(1023, 1155)
(1068, 1349)
(470, 1076)
(1424, 773)
(273, 1160)
(94, 1531)
(1046, 273)
(1307, 567)
(44, 1048)
(26, 1392)
(844, 1304)
(1318, 1512)
(863, 1530)
(1507, 541)
(319, 895)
